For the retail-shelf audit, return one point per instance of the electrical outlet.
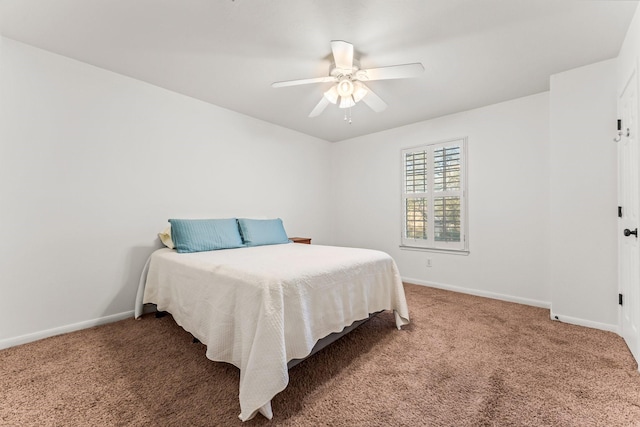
(428, 262)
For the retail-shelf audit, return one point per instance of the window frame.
(429, 244)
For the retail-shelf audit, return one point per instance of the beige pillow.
(165, 237)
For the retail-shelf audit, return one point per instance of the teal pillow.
(258, 232)
(198, 235)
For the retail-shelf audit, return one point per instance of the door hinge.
(619, 211)
(620, 299)
(621, 133)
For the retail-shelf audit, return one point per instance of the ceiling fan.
(349, 87)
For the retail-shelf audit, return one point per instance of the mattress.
(260, 307)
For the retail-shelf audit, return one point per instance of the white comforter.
(260, 307)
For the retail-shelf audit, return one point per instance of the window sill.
(444, 251)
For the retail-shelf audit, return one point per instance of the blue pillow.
(258, 232)
(198, 235)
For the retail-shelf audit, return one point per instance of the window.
(433, 196)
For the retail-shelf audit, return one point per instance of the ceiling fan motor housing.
(337, 72)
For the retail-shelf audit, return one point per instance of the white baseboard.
(526, 301)
(583, 322)
(486, 294)
(23, 339)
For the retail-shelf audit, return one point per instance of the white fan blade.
(374, 101)
(304, 81)
(320, 107)
(342, 54)
(392, 72)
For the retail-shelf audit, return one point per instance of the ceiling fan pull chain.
(345, 116)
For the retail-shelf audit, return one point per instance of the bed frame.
(329, 339)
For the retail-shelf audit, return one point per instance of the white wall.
(583, 177)
(541, 208)
(93, 164)
(628, 58)
(508, 170)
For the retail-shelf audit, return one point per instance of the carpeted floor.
(463, 361)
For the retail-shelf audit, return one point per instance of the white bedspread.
(260, 307)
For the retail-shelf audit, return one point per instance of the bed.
(260, 308)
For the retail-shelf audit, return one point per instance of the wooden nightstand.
(306, 240)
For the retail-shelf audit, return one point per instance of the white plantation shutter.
(433, 196)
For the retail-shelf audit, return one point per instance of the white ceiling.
(475, 52)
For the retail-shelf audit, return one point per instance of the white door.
(628, 222)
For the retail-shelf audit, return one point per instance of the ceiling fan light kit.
(346, 102)
(332, 95)
(359, 91)
(345, 87)
(348, 88)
